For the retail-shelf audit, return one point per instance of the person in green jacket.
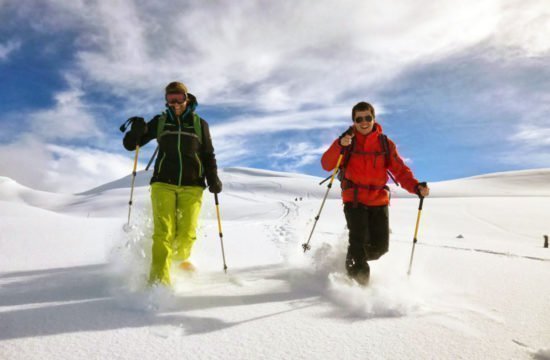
(185, 160)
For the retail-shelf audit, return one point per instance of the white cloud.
(298, 66)
(295, 155)
(231, 150)
(316, 119)
(44, 166)
(24, 161)
(532, 135)
(534, 160)
(530, 142)
(268, 55)
(9, 47)
(273, 56)
(525, 25)
(69, 119)
(76, 169)
(32, 158)
(276, 55)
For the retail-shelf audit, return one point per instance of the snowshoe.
(362, 278)
(358, 272)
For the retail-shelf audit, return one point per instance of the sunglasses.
(178, 98)
(360, 119)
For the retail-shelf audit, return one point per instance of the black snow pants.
(368, 235)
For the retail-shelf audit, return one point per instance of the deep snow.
(72, 281)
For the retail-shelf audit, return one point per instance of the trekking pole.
(416, 229)
(220, 230)
(132, 186)
(325, 180)
(152, 158)
(306, 245)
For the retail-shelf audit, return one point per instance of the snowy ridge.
(512, 183)
(12, 191)
(534, 183)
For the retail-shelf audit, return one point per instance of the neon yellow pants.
(176, 212)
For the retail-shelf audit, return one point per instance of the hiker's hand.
(214, 184)
(139, 126)
(422, 189)
(346, 138)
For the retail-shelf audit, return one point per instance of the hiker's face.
(178, 102)
(179, 108)
(360, 122)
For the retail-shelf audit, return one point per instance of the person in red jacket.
(369, 156)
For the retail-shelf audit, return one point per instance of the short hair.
(362, 106)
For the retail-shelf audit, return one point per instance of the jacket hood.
(193, 103)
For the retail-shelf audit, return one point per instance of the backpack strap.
(342, 171)
(383, 139)
(160, 125)
(351, 150)
(198, 127)
(385, 148)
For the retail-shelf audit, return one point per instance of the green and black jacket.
(183, 158)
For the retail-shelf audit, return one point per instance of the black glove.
(349, 131)
(214, 184)
(139, 126)
(423, 184)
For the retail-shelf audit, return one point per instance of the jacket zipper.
(179, 151)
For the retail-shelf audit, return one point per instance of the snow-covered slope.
(71, 280)
(513, 183)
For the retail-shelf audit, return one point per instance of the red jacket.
(369, 168)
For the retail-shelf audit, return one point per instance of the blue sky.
(463, 88)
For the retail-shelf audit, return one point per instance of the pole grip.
(135, 159)
(340, 157)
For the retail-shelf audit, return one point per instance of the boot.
(187, 266)
(363, 275)
(358, 271)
